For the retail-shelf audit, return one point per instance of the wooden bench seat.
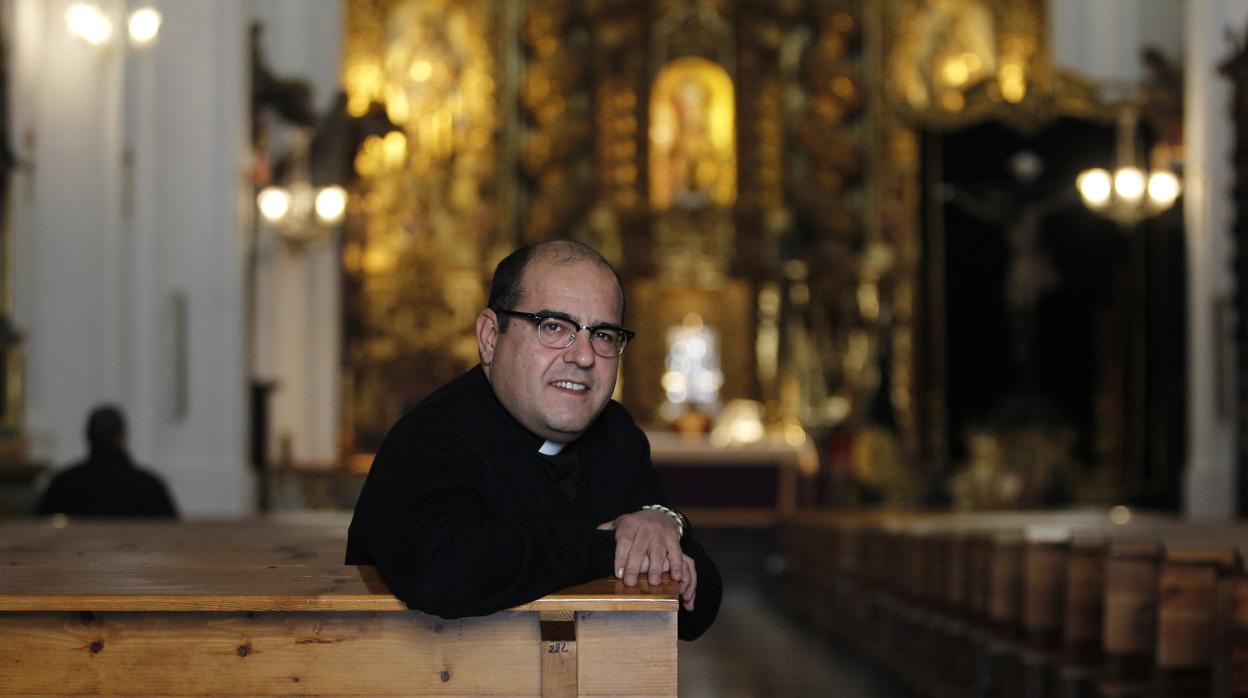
(268, 609)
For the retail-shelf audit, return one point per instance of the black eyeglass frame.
(538, 318)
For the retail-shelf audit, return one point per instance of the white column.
(1210, 481)
(101, 247)
(1099, 40)
(298, 336)
(68, 292)
(146, 388)
(200, 141)
(1102, 39)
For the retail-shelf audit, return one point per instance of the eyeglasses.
(558, 332)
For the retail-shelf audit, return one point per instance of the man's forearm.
(458, 566)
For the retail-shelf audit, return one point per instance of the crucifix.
(1030, 273)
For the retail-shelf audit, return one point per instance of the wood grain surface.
(228, 566)
(256, 608)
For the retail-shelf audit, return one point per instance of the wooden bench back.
(229, 608)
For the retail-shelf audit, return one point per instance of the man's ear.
(487, 335)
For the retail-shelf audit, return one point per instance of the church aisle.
(755, 649)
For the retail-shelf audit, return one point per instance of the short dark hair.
(106, 428)
(506, 290)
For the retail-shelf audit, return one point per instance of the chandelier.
(298, 210)
(90, 24)
(1130, 193)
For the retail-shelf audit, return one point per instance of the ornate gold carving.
(425, 203)
(761, 119)
(692, 29)
(1014, 467)
(619, 62)
(892, 219)
(830, 79)
(825, 159)
(694, 244)
(555, 100)
(954, 62)
(362, 75)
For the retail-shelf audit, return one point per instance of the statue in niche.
(692, 153)
(692, 167)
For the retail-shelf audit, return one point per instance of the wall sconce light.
(274, 203)
(277, 202)
(1129, 194)
(86, 21)
(298, 210)
(144, 26)
(331, 204)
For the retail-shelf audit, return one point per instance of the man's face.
(554, 393)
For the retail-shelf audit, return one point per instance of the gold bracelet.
(676, 516)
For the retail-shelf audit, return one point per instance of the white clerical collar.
(551, 448)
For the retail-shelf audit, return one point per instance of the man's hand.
(688, 581)
(646, 542)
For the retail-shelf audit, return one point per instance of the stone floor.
(757, 649)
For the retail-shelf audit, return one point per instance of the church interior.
(935, 300)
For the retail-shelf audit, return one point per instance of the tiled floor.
(755, 649)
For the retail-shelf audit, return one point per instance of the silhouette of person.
(107, 483)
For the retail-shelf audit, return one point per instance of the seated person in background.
(107, 483)
(521, 477)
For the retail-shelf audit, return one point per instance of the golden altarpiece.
(753, 168)
(711, 150)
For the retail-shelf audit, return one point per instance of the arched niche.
(693, 159)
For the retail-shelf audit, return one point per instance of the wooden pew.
(1082, 616)
(1130, 612)
(1169, 612)
(1231, 668)
(1041, 604)
(268, 609)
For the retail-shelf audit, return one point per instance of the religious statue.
(949, 47)
(692, 154)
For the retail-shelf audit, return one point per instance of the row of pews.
(1040, 604)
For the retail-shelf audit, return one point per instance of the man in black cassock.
(522, 477)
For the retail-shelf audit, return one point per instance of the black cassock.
(464, 517)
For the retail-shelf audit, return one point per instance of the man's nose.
(579, 352)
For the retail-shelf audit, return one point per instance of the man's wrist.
(676, 517)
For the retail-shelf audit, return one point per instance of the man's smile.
(571, 385)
